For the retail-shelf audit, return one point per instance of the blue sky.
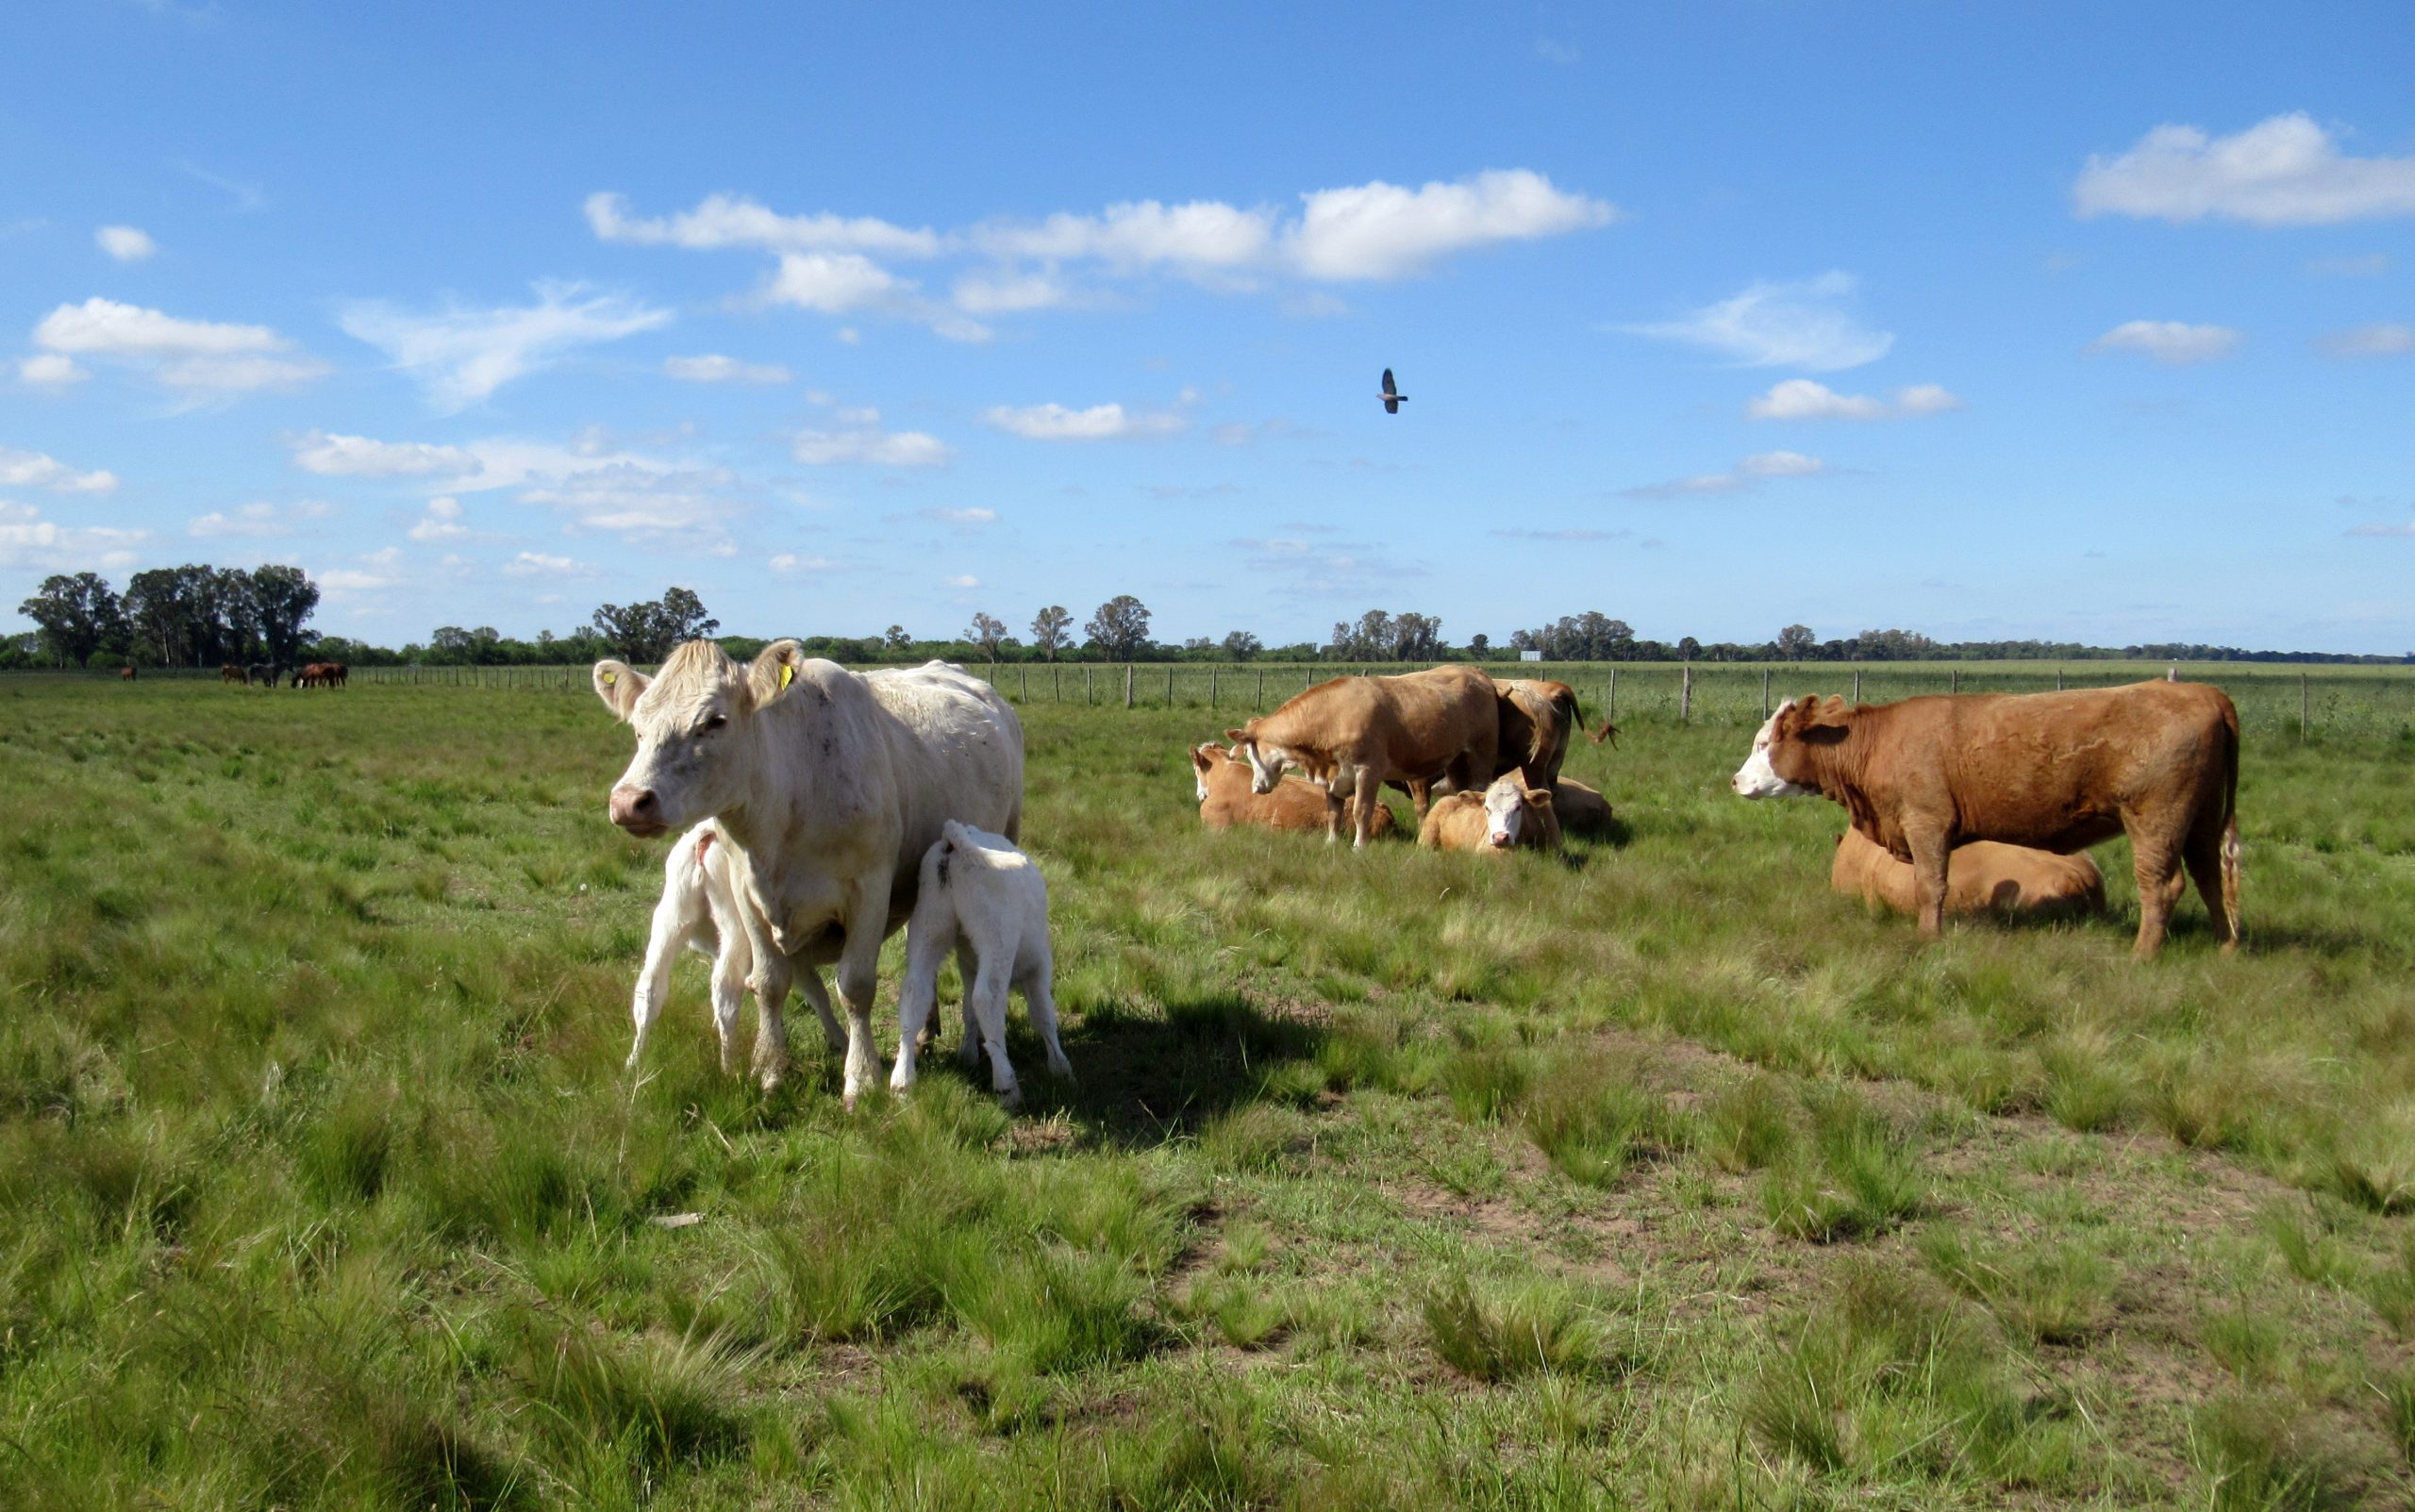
(2061, 321)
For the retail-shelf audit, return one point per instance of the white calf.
(702, 882)
(983, 899)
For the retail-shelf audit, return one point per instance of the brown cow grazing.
(1985, 877)
(2057, 771)
(1225, 799)
(1579, 806)
(126, 674)
(1509, 815)
(232, 674)
(1538, 718)
(1354, 734)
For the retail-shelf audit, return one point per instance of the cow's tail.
(2230, 818)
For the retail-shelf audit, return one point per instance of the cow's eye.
(715, 723)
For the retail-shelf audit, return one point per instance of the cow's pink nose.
(1500, 837)
(635, 810)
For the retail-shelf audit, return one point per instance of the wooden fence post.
(1956, 685)
(1169, 685)
(2058, 679)
(1610, 713)
(1260, 701)
(1765, 692)
(1127, 685)
(1212, 686)
(1056, 683)
(1087, 697)
(1857, 685)
(1686, 694)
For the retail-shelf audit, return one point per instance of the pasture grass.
(1648, 1175)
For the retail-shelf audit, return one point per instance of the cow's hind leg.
(809, 982)
(2212, 859)
(1931, 856)
(2159, 882)
(1041, 1001)
(987, 992)
(968, 965)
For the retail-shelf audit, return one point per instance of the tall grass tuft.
(1856, 1175)
(1499, 1333)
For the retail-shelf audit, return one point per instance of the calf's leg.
(1041, 1001)
(987, 992)
(674, 921)
(928, 937)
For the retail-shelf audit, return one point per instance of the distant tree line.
(200, 616)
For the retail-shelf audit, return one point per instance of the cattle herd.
(267, 674)
(823, 809)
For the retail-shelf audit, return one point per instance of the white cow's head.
(1506, 803)
(1266, 759)
(695, 723)
(1781, 763)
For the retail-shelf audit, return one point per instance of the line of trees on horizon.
(201, 616)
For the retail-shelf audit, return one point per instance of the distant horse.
(232, 674)
(126, 674)
(262, 673)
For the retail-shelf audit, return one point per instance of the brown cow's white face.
(1203, 761)
(1756, 779)
(693, 760)
(1505, 804)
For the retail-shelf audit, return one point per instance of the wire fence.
(2271, 697)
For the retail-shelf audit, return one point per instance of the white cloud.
(359, 456)
(789, 561)
(104, 327)
(723, 221)
(1202, 236)
(349, 582)
(125, 242)
(1804, 399)
(1055, 423)
(1007, 293)
(38, 470)
(962, 517)
(28, 539)
(442, 522)
(841, 283)
(2283, 170)
(2405, 530)
(197, 357)
(2361, 265)
(1781, 325)
(1379, 230)
(258, 519)
(859, 439)
(1752, 470)
(536, 564)
(2175, 343)
(642, 502)
(462, 356)
(2385, 339)
(50, 370)
(965, 580)
(714, 368)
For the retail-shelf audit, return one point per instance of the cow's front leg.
(859, 976)
(1930, 855)
(808, 985)
(1335, 799)
(768, 975)
(1369, 783)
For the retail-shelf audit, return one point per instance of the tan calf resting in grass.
(2157, 761)
(1225, 798)
(1354, 734)
(1579, 806)
(1985, 877)
(1509, 815)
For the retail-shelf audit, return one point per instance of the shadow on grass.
(1140, 1080)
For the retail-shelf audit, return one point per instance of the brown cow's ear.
(775, 668)
(1540, 797)
(1831, 715)
(1237, 737)
(619, 686)
(1201, 759)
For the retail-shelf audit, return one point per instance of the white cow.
(702, 892)
(832, 784)
(986, 901)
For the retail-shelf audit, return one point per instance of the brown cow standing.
(126, 674)
(1225, 799)
(232, 674)
(1538, 718)
(2056, 772)
(1354, 734)
(1985, 877)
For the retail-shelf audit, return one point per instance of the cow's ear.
(1238, 737)
(775, 667)
(1201, 759)
(1830, 715)
(619, 685)
(1540, 797)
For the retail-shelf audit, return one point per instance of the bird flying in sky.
(1393, 398)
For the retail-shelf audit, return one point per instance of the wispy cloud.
(2173, 343)
(1572, 536)
(2284, 169)
(39, 469)
(258, 519)
(247, 197)
(462, 355)
(1055, 423)
(28, 539)
(1805, 399)
(1753, 470)
(2385, 339)
(125, 242)
(715, 368)
(858, 436)
(1804, 323)
(199, 358)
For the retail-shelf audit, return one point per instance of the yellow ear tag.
(612, 677)
(788, 673)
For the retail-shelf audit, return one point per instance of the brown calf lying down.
(1538, 719)
(2057, 771)
(1509, 815)
(1225, 798)
(1579, 806)
(1986, 877)
(1354, 734)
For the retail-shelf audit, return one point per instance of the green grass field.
(1652, 1175)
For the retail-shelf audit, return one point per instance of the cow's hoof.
(1011, 1099)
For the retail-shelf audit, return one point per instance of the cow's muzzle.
(1500, 839)
(635, 810)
